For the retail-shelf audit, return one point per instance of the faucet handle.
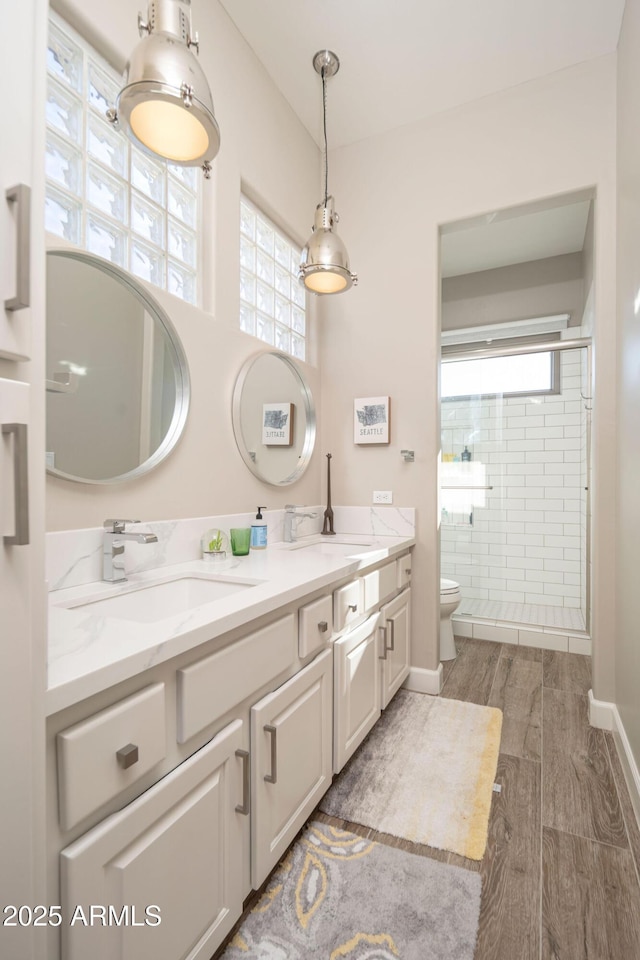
(117, 526)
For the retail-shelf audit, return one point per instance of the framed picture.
(277, 424)
(371, 420)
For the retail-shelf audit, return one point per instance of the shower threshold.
(529, 624)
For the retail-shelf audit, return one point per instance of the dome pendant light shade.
(165, 106)
(324, 267)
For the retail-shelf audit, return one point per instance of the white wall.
(266, 148)
(628, 461)
(544, 138)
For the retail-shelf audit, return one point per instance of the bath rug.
(337, 896)
(424, 773)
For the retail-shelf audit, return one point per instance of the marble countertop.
(89, 652)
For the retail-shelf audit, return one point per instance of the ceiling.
(402, 60)
(502, 239)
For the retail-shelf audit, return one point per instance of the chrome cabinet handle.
(21, 196)
(392, 632)
(273, 776)
(383, 630)
(128, 755)
(323, 626)
(20, 484)
(243, 807)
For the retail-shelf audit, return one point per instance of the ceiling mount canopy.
(165, 106)
(324, 267)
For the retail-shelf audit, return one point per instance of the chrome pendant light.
(165, 106)
(324, 267)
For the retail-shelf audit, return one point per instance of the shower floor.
(538, 614)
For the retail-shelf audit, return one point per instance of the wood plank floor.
(560, 876)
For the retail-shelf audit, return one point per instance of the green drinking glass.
(240, 541)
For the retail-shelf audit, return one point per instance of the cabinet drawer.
(404, 571)
(100, 756)
(379, 585)
(212, 686)
(347, 605)
(315, 625)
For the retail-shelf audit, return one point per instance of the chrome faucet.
(113, 548)
(292, 516)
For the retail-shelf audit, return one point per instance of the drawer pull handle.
(392, 633)
(352, 606)
(21, 196)
(383, 630)
(243, 807)
(273, 776)
(128, 755)
(323, 626)
(20, 485)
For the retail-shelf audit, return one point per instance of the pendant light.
(324, 267)
(165, 106)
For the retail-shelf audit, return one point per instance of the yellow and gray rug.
(337, 896)
(424, 773)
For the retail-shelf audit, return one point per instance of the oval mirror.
(274, 419)
(117, 377)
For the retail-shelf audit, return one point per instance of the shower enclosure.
(514, 490)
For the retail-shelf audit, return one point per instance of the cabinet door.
(356, 691)
(291, 760)
(396, 624)
(176, 849)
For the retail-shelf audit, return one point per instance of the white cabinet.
(291, 760)
(177, 848)
(356, 689)
(395, 621)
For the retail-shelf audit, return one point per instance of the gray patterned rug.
(337, 896)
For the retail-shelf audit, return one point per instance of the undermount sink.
(345, 546)
(150, 602)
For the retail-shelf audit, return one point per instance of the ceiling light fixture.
(165, 106)
(324, 267)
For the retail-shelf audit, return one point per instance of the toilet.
(450, 598)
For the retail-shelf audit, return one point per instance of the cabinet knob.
(323, 626)
(353, 607)
(128, 755)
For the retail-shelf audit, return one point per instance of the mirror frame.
(181, 368)
(310, 413)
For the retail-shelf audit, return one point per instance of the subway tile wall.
(527, 540)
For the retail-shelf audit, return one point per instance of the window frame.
(554, 378)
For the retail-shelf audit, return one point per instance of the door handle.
(273, 776)
(21, 196)
(243, 807)
(383, 631)
(20, 484)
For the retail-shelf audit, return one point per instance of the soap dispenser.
(259, 531)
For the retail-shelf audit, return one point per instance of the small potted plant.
(215, 544)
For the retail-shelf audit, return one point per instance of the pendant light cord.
(324, 123)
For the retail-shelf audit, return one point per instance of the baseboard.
(606, 716)
(424, 681)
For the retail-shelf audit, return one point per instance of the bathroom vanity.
(189, 738)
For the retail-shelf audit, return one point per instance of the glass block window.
(272, 300)
(101, 192)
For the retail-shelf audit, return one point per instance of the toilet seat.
(448, 587)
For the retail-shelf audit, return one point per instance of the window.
(521, 375)
(272, 300)
(101, 192)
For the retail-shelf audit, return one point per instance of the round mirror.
(274, 419)
(117, 378)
